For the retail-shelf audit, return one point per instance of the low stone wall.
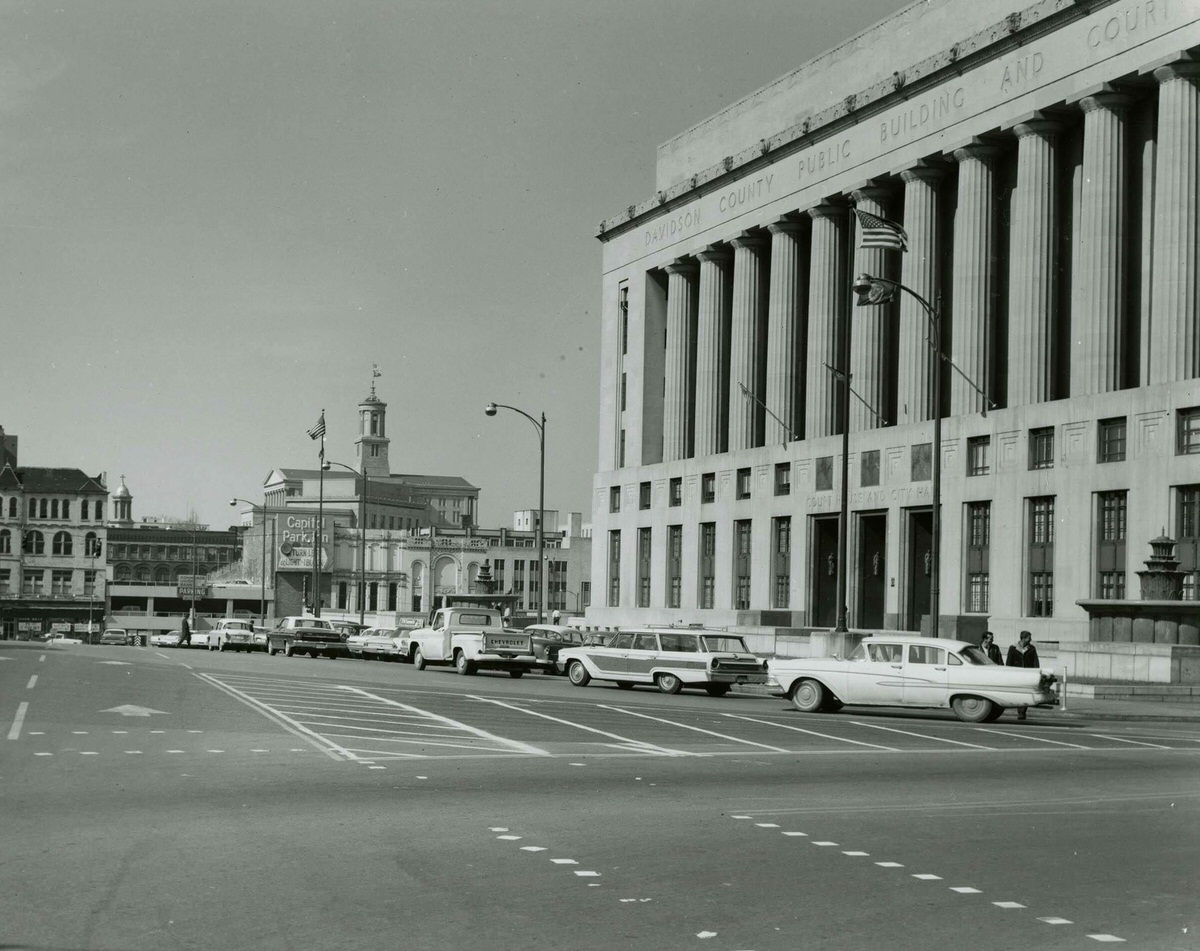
(1125, 662)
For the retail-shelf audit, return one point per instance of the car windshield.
(725, 642)
(974, 655)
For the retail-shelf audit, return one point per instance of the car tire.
(288, 649)
(418, 659)
(463, 664)
(270, 650)
(972, 709)
(577, 674)
(625, 684)
(221, 648)
(996, 713)
(516, 674)
(716, 690)
(808, 696)
(668, 683)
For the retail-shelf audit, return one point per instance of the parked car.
(116, 635)
(549, 639)
(169, 639)
(381, 642)
(60, 638)
(234, 634)
(347, 629)
(314, 636)
(910, 671)
(711, 660)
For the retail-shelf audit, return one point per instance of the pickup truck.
(233, 634)
(471, 638)
(313, 636)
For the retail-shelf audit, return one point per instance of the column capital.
(1184, 69)
(714, 255)
(749, 241)
(786, 226)
(923, 171)
(871, 191)
(682, 267)
(1037, 125)
(828, 209)
(1103, 96)
(979, 150)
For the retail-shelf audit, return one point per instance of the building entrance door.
(920, 562)
(824, 571)
(872, 569)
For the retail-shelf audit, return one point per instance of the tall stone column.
(747, 343)
(785, 326)
(1175, 295)
(712, 353)
(921, 271)
(1098, 284)
(1033, 290)
(828, 287)
(681, 346)
(870, 327)
(974, 275)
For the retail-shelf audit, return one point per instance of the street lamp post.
(262, 574)
(362, 538)
(872, 291)
(95, 550)
(490, 410)
(195, 571)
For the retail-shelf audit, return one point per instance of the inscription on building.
(922, 117)
(676, 226)
(1127, 23)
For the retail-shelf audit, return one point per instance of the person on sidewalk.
(987, 644)
(1023, 654)
(185, 634)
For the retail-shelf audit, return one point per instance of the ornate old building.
(1043, 160)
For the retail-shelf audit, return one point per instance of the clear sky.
(216, 216)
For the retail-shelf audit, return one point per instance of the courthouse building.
(1044, 160)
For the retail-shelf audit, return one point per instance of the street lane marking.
(1106, 937)
(796, 833)
(639, 745)
(685, 726)
(927, 877)
(474, 731)
(890, 864)
(856, 853)
(32, 681)
(825, 736)
(532, 848)
(1118, 739)
(1008, 904)
(826, 844)
(1036, 739)
(921, 736)
(15, 730)
(965, 890)
(564, 861)
(587, 874)
(1057, 921)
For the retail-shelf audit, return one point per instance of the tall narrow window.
(979, 455)
(674, 565)
(1111, 440)
(1041, 556)
(54, 508)
(979, 539)
(63, 544)
(783, 478)
(66, 509)
(708, 487)
(1188, 436)
(5, 541)
(83, 510)
(1188, 534)
(1110, 545)
(614, 498)
(743, 483)
(675, 492)
(781, 561)
(741, 564)
(624, 388)
(708, 563)
(1041, 448)
(644, 495)
(343, 595)
(643, 562)
(614, 568)
(623, 315)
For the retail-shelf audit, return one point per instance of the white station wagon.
(911, 671)
(671, 660)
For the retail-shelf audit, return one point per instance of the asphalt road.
(183, 799)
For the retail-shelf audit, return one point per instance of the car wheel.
(418, 659)
(463, 664)
(332, 656)
(516, 674)
(996, 714)
(578, 674)
(832, 704)
(972, 709)
(808, 696)
(270, 650)
(288, 649)
(716, 690)
(625, 684)
(668, 683)
(221, 648)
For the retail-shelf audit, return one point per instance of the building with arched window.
(1040, 162)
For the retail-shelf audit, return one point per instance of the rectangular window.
(1111, 440)
(585, 595)
(624, 384)
(674, 566)
(979, 450)
(498, 573)
(979, 538)
(621, 459)
(89, 584)
(708, 487)
(1189, 431)
(921, 462)
(644, 496)
(1041, 448)
(741, 565)
(66, 508)
(343, 594)
(708, 563)
(1110, 544)
(783, 478)
(5, 581)
(623, 314)
(743, 483)
(643, 561)
(1041, 556)
(781, 561)
(60, 583)
(676, 492)
(614, 568)
(614, 498)
(824, 473)
(1188, 533)
(373, 596)
(391, 596)
(868, 472)
(31, 583)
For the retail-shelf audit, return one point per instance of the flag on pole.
(318, 431)
(880, 233)
(375, 372)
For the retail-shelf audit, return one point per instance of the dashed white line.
(1008, 904)
(533, 848)
(1052, 920)
(965, 890)
(32, 682)
(796, 833)
(1106, 937)
(509, 838)
(14, 732)
(587, 874)
(826, 844)
(927, 877)
(564, 861)
(890, 864)
(856, 853)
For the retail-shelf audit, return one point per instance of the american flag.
(880, 233)
(319, 430)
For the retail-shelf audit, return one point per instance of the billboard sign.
(296, 542)
(192, 586)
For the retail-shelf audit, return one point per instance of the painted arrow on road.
(129, 710)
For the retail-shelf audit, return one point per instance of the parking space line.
(1118, 739)
(922, 736)
(475, 731)
(685, 726)
(639, 745)
(15, 730)
(1036, 739)
(826, 736)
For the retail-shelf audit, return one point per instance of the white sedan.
(168, 639)
(381, 642)
(909, 671)
(63, 639)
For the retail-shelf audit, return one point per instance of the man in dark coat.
(185, 634)
(987, 644)
(1023, 654)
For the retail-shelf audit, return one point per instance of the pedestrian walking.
(556, 616)
(987, 644)
(1023, 654)
(185, 634)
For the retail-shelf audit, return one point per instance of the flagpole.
(320, 525)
